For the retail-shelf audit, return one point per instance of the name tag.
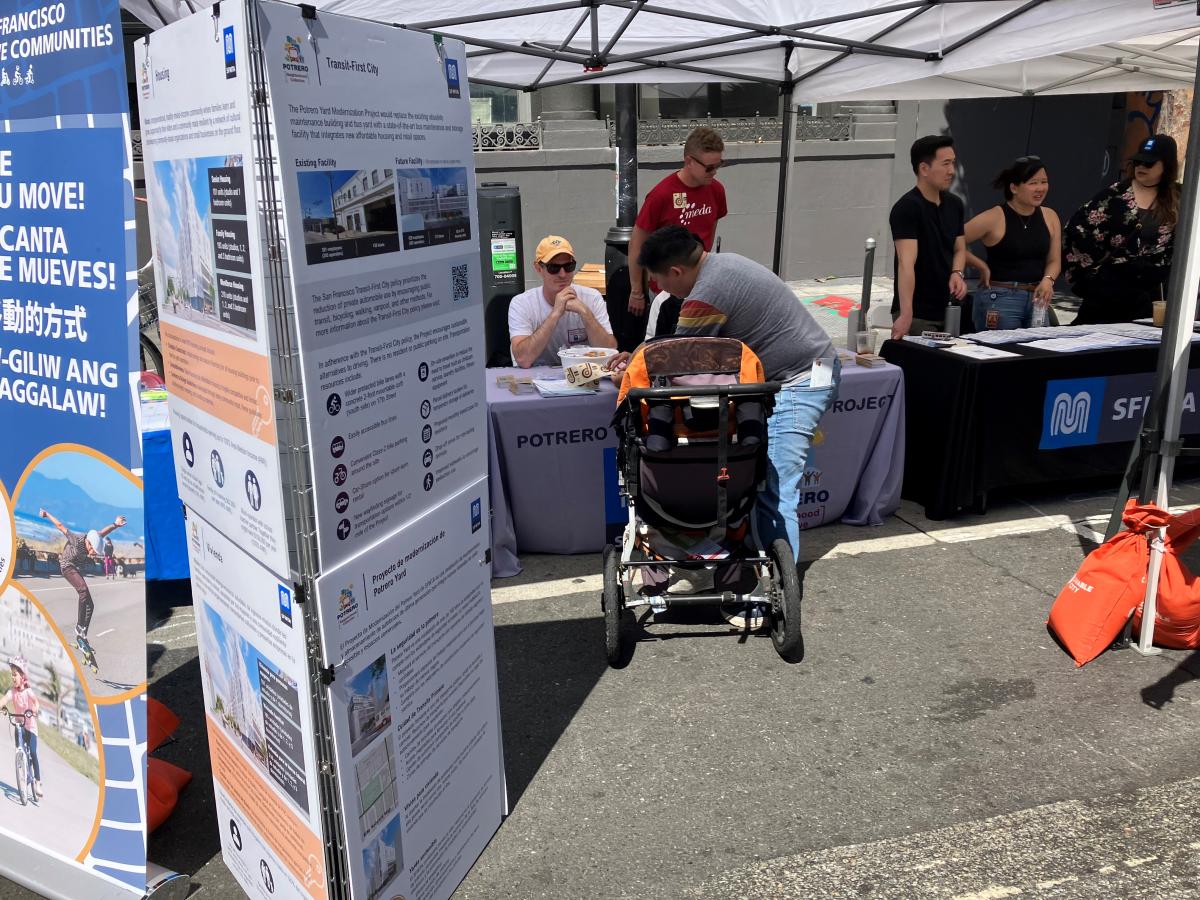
(822, 373)
(576, 335)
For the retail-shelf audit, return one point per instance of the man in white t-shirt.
(558, 314)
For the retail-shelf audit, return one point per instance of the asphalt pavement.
(934, 742)
(117, 631)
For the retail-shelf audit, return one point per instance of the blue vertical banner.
(72, 527)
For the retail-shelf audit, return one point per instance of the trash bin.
(502, 263)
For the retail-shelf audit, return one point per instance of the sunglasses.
(708, 170)
(555, 268)
(1021, 160)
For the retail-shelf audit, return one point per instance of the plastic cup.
(1160, 313)
(863, 342)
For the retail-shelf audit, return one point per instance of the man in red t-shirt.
(691, 197)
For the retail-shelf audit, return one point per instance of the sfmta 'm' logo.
(1071, 413)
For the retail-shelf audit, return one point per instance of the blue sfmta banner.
(72, 530)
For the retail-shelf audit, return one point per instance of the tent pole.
(629, 330)
(1170, 388)
(787, 151)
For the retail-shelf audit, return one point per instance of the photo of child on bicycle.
(49, 761)
(21, 705)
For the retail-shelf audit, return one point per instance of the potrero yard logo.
(293, 61)
(1072, 412)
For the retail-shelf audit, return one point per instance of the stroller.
(691, 422)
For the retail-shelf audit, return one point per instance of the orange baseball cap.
(552, 245)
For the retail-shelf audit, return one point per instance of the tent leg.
(787, 151)
(628, 329)
(1170, 388)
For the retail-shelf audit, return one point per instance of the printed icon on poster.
(253, 490)
(218, 468)
(230, 53)
(235, 833)
(285, 605)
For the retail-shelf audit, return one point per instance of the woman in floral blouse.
(1118, 245)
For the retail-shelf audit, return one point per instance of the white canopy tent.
(834, 49)
(844, 50)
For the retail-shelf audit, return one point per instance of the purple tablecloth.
(551, 462)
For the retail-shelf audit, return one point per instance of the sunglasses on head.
(555, 268)
(1021, 160)
(708, 170)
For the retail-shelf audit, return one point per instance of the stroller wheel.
(785, 607)
(612, 603)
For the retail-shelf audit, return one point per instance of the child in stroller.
(691, 423)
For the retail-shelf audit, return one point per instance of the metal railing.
(507, 135)
(750, 129)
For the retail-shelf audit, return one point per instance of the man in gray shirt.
(732, 296)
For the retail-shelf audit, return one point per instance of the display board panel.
(72, 529)
(407, 626)
(203, 198)
(378, 184)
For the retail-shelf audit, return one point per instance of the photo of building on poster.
(382, 858)
(370, 708)
(375, 778)
(81, 550)
(256, 704)
(202, 250)
(348, 213)
(61, 815)
(435, 206)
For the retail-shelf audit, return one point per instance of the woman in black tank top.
(1023, 244)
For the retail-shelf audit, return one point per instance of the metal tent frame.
(799, 52)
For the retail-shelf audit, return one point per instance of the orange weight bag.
(1177, 610)
(1092, 608)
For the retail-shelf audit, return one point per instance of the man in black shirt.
(75, 554)
(927, 229)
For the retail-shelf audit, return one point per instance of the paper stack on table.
(559, 387)
(1091, 340)
(1013, 335)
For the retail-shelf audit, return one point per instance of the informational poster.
(253, 664)
(408, 627)
(72, 531)
(194, 99)
(374, 135)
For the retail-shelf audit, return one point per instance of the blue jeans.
(1015, 307)
(789, 435)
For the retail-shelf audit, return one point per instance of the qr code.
(460, 286)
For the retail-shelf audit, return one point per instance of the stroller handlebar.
(707, 390)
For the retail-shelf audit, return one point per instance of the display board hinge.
(298, 590)
(487, 557)
(308, 11)
(327, 675)
(285, 395)
(260, 96)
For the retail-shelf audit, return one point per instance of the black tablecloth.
(977, 425)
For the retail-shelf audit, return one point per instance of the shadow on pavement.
(1162, 691)
(546, 672)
